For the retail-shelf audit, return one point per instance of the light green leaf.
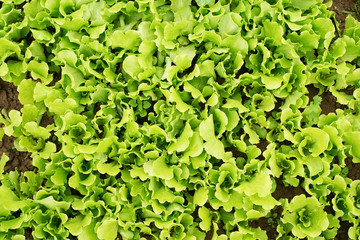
(128, 40)
(206, 128)
(215, 148)
(201, 196)
(319, 140)
(205, 216)
(51, 203)
(26, 91)
(183, 141)
(260, 184)
(352, 139)
(160, 169)
(303, 4)
(274, 31)
(228, 24)
(7, 48)
(37, 131)
(131, 66)
(76, 224)
(9, 201)
(108, 230)
(203, 2)
(272, 82)
(4, 159)
(111, 169)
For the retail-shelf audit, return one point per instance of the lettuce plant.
(312, 141)
(352, 200)
(12, 216)
(306, 217)
(354, 231)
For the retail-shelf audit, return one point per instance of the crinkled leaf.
(107, 230)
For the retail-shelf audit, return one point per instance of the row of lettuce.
(161, 110)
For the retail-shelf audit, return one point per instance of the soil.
(262, 146)
(46, 120)
(343, 8)
(343, 230)
(220, 231)
(313, 91)
(28, 234)
(329, 103)
(354, 169)
(17, 160)
(288, 192)
(269, 224)
(9, 96)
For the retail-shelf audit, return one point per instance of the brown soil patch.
(269, 224)
(220, 231)
(46, 120)
(343, 8)
(262, 146)
(288, 192)
(210, 233)
(329, 103)
(354, 169)
(343, 230)
(313, 91)
(17, 160)
(349, 90)
(9, 96)
(28, 234)
(143, 235)
(236, 153)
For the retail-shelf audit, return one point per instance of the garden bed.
(53, 176)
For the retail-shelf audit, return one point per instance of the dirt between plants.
(343, 8)
(343, 231)
(28, 234)
(269, 224)
(9, 96)
(17, 160)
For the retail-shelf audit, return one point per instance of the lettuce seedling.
(306, 217)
